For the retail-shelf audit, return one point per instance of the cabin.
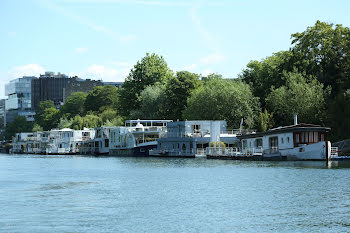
(294, 142)
(190, 138)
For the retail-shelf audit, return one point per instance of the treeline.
(310, 79)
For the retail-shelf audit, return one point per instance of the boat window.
(259, 142)
(282, 140)
(287, 139)
(322, 137)
(196, 128)
(315, 136)
(273, 142)
(311, 137)
(244, 144)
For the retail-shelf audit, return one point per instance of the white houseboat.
(67, 141)
(294, 142)
(137, 137)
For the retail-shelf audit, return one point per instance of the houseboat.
(137, 137)
(294, 142)
(191, 138)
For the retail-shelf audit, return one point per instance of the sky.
(103, 39)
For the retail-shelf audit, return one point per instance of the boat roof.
(284, 129)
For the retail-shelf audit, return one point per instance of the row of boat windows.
(273, 142)
(309, 137)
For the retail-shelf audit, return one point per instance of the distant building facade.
(116, 84)
(19, 97)
(79, 85)
(2, 113)
(49, 86)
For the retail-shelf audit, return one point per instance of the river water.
(109, 194)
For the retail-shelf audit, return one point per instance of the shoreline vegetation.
(311, 79)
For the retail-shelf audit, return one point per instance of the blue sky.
(103, 39)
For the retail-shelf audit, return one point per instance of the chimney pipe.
(295, 119)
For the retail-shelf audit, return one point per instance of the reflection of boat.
(137, 137)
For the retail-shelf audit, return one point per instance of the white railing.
(229, 151)
(334, 152)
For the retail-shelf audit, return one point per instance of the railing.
(229, 151)
(334, 152)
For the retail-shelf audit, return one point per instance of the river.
(110, 194)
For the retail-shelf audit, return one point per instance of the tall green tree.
(150, 70)
(39, 111)
(74, 105)
(102, 97)
(305, 98)
(222, 99)
(50, 118)
(265, 121)
(178, 89)
(326, 48)
(268, 73)
(152, 103)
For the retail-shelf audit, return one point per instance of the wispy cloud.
(203, 32)
(84, 21)
(81, 50)
(26, 70)
(103, 72)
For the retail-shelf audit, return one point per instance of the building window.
(282, 140)
(287, 139)
(196, 128)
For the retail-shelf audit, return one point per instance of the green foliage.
(177, 91)
(102, 97)
(108, 114)
(150, 70)
(43, 105)
(222, 99)
(218, 144)
(211, 76)
(152, 103)
(262, 75)
(18, 125)
(37, 128)
(326, 48)
(74, 105)
(50, 118)
(92, 121)
(339, 114)
(265, 121)
(307, 99)
(64, 123)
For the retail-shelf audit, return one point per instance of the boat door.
(273, 144)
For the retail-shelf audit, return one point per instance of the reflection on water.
(109, 194)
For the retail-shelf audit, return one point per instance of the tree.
(265, 121)
(152, 103)
(75, 104)
(150, 70)
(326, 48)
(178, 89)
(339, 116)
(102, 97)
(37, 128)
(305, 98)
(18, 125)
(43, 105)
(268, 73)
(223, 99)
(50, 118)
